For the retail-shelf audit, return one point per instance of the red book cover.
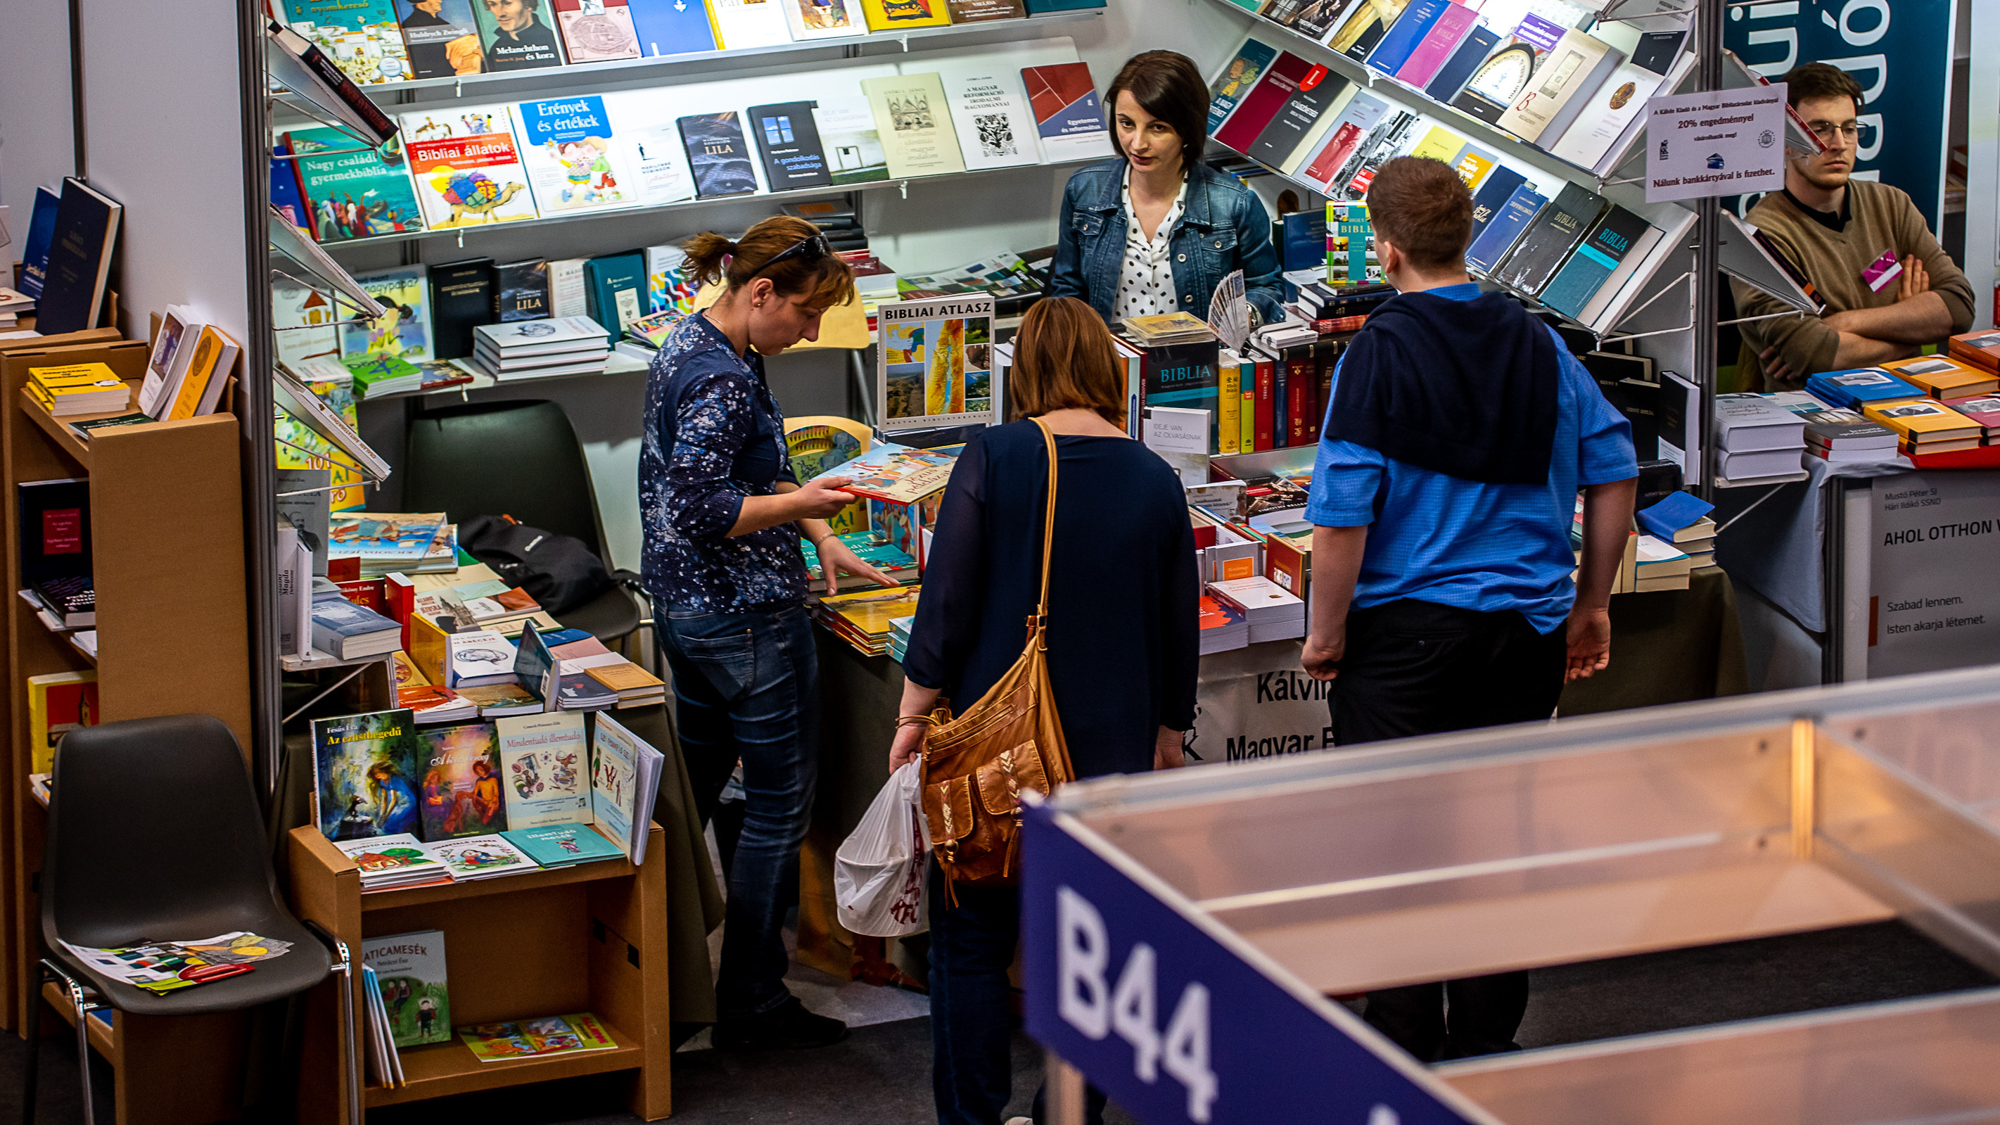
(1300, 391)
(1263, 102)
(401, 595)
(368, 593)
(1286, 565)
(1980, 349)
(1266, 403)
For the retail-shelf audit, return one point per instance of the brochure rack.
(541, 943)
(166, 517)
(1259, 891)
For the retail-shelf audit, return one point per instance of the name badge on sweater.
(1883, 272)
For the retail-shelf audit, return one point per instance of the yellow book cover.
(1246, 438)
(1922, 421)
(212, 351)
(1440, 144)
(1229, 403)
(914, 123)
(72, 374)
(428, 647)
(74, 390)
(1943, 378)
(872, 610)
(408, 675)
(901, 15)
(57, 704)
(624, 677)
(1472, 165)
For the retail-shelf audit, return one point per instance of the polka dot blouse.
(1146, 282)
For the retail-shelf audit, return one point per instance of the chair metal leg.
(343, 965)
(83, 1008)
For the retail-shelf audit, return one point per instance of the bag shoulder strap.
(1048, 520)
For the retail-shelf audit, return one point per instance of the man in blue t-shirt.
(1458, 436)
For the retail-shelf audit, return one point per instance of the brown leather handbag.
(975, 765)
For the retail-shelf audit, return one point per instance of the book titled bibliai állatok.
(466, 166)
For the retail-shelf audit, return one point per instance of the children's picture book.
(515, 34)
(935, 362)
(405, 536)
(410, 971)
(58, 703)
(896, 473)
(1068, 113)
(900, 15)
(597, 30)
(401, 855)
(442, 37)
(364, 775)
(624, 779)
(300, 446)
(575, 160)
(824, 19)
(404, 328)
(462, 793)
(354, 194)
(480, 857)
(560, 845)
(467, 167)
(362, 37)
(501, 1042)
(852, 143)
(718, 156)
(303, 320)
(544, 767)
(914, 123)
(788, 142)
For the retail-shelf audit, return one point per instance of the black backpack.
(560, 572)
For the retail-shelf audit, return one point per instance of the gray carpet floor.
(881, 1074)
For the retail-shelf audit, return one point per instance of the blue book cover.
(1401, 40)
(1236, 80)
(1505, 226)
(534, 665)
(79, 260)
(672, 27)
(1304, 244)
(559, 845)
(1452, 76)
(1665, 519)
(1594, 260)
(1858, 387)
(615, 290)
(41, 236)
(718, 154)
(1494, 192)
(285, 195)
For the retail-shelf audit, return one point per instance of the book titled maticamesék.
(411, 971)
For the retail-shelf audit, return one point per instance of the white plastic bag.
(880, 870)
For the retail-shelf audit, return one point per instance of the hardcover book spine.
(1246, 410)
(1301, 383)
(1281, 391)
(1266, 393)
(1229, 399)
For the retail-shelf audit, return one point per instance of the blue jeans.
(972, 1014)
(747, 686)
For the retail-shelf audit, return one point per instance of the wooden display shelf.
(58, 428)
(586, 938)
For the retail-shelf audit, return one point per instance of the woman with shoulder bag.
(1121, 645)
(723, 517)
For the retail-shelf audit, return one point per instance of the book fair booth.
(307, 347)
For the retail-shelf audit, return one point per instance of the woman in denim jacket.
(1156, 230)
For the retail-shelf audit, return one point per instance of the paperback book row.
(460, 165)
(378, 41)
(416, 805)
(408, 999)
(1933, 412)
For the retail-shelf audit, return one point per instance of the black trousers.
(1413, 668)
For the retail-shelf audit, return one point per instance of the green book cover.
(559, 845)
(355, 192)
(411, 972)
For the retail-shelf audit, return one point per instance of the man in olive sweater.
(1834, 227)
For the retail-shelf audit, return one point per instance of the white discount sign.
(1715, 142)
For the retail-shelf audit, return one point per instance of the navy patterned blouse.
(714, 434)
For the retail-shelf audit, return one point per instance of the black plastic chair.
(521, 459)
(154, 833)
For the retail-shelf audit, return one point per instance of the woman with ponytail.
(723, 516)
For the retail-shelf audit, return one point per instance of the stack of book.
(1166, 329)
(862, 618)
(1859, 387)
(385, 1063)
(591, 677)
(1840, 436)
(478, 604)
(1979, 349)
(1662, 566)
(1985, 411)
(378, 376)
(1682, 521)
(430, 704)
(388, 862)
(347, 631)
(1223, 626)
(1320, 302)
(1926, 427)
(64, 603)
(78, 388)
(1941, 378)
(1273, 614)
(14, 305)
(1761, 439)
(883, 556)
(533, 349)
(899, 637)
(391, 542)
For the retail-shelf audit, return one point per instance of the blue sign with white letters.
(1898, 51)
(1175, 1026)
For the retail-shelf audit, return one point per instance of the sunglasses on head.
(811, 248)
